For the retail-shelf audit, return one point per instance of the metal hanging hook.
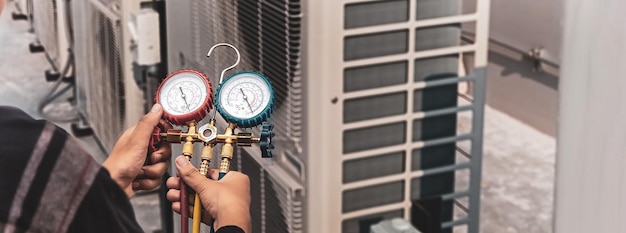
(230, 67)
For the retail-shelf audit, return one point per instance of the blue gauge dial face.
(245, 95)
(182, 94)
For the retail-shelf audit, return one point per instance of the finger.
(162, 154)
(166, 125)
(173, 195)
(153, 171)
(191, 176)
(237, 177)
(176, 207)
(173, 183)
(146, 184)
(146, 124)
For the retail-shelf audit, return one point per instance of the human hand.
(226, 200)
(127, 162)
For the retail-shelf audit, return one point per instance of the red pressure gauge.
(186, 96)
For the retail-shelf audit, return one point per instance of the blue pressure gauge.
(245, 98)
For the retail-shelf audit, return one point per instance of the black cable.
(51, 95)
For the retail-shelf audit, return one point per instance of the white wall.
(512, 86)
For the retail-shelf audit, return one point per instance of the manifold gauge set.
(244, 99)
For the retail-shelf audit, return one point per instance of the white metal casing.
(326, 97)
(22, 6)
(301, 190)
(144, 30)
(108, 96)
(53, 32)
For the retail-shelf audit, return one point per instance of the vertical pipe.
(480, 64)
(197, 209)
(184, 209)
(207, 154)
(476, 150)
(188, 153)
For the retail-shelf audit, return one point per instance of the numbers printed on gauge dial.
(245, 96)
(184, 94)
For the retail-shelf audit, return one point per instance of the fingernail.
(182, 161)
(155, 108)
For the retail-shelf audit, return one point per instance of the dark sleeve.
(229, 229)
(19, 134)
(105, 208)
(52, 185)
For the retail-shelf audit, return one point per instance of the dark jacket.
(48, 183)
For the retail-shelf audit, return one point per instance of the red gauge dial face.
(186, 96)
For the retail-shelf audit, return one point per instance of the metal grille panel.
(375, 45)
(375, 76)
(268, 35)
(376, 13)
(374, 107)
(374, 137)
(429, 44)
(275, 205)
(402, 58)
(371, 196)
(372, 167)
(105, 87)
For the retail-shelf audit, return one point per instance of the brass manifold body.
(177, 136)
(210, 138)
(208, 135)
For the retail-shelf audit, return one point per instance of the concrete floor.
(518, 175)
(518, 168)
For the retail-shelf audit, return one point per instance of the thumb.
(146, 124)
(190, 175)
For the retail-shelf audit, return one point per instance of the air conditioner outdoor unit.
(368, 123)
(52, 29)
(22, 9)
(108, 97)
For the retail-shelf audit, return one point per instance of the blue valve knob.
(266, 140)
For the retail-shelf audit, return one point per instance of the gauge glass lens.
(245, 95)
(183, 93)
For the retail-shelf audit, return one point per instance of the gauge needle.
(246, 99)
(182, 94)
